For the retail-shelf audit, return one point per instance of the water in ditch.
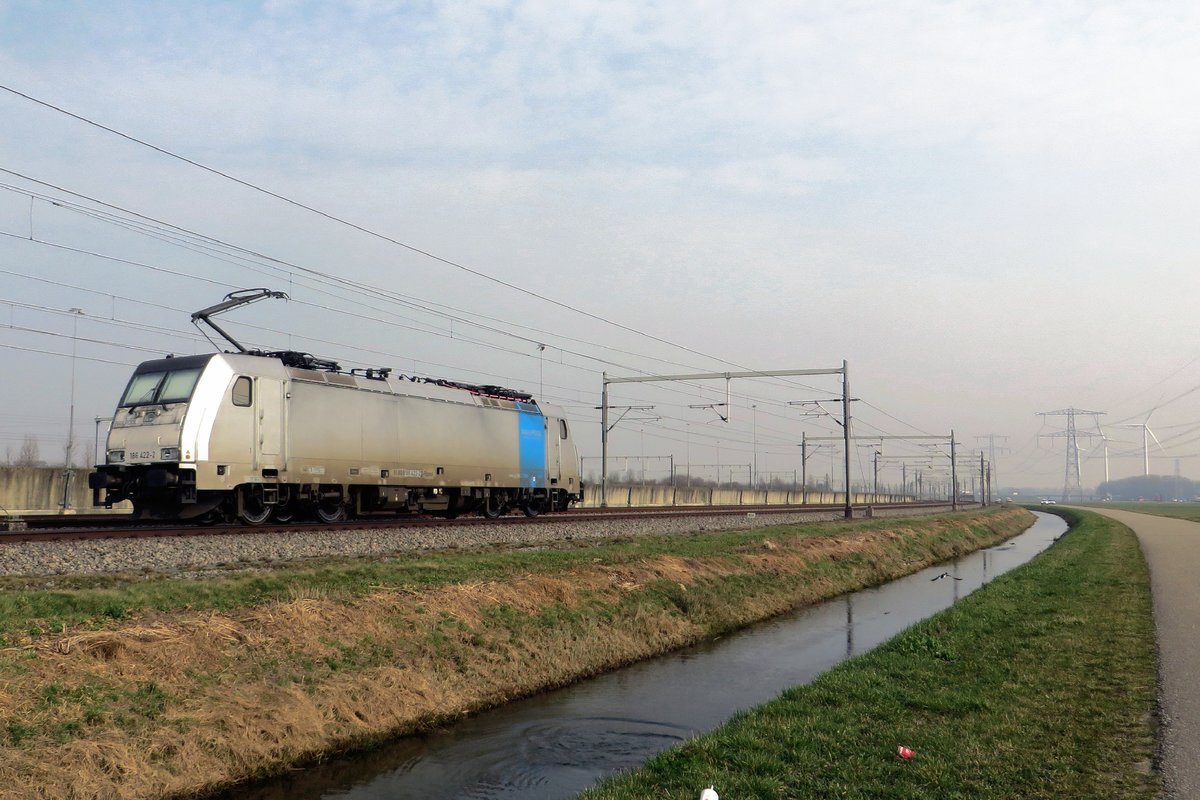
(559, 743)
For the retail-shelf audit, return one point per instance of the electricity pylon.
(991, 440)
(1071, 479)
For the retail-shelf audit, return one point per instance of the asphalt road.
(1172, 550)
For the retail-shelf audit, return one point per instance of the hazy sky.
(987, 210)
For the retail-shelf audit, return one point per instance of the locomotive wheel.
(492, 508)
(285, 514)
(329, 511)
(532, 508)
(253, 510)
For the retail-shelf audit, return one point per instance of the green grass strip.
(1039, 685)
(1188, 511)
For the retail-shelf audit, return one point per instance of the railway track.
(46, 528)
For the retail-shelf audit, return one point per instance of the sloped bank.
(1041, 684)
(129, 703)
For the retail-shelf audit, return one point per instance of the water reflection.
(557, 744)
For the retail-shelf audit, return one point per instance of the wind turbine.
(1104, 440)
(1145, 426)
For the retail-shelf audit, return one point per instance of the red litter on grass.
(904, 752)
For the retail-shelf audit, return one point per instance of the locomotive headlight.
(169, 454)
(115, 457)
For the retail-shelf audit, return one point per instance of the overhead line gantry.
(844, 371)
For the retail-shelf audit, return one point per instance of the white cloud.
(666, 82)
(881, 178)
(776, 175)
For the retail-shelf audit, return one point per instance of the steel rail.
(48, 528)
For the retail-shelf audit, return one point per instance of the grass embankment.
(1040, 685)
(145, 687)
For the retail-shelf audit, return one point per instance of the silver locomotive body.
(233, 435)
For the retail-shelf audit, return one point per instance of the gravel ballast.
(193, 556)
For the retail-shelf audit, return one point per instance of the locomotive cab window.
(178, 385)
(241, 391)
(151, 388)
(562, 429)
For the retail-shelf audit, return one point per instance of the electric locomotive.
(259, 435)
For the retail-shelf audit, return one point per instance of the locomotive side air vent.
(307, 375)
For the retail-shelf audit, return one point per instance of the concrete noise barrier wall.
(40, 489)
(629, 496)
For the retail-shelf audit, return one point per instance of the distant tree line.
(1150, 487)
(28, 455)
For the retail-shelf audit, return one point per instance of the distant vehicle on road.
(1048, 502)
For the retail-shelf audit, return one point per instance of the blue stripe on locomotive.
(531, 428)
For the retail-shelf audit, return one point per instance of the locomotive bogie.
(256, 439)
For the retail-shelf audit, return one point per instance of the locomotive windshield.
(167, 386)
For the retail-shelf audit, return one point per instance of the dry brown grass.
(241, 704)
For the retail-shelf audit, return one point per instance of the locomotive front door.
(269, 421)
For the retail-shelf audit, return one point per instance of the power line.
(188, 335)
(337, 220)
(324, 280)
(199, 243)
(118, 260)
(67, 355)
(321, 306)
(353, 225)
(342, 281)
